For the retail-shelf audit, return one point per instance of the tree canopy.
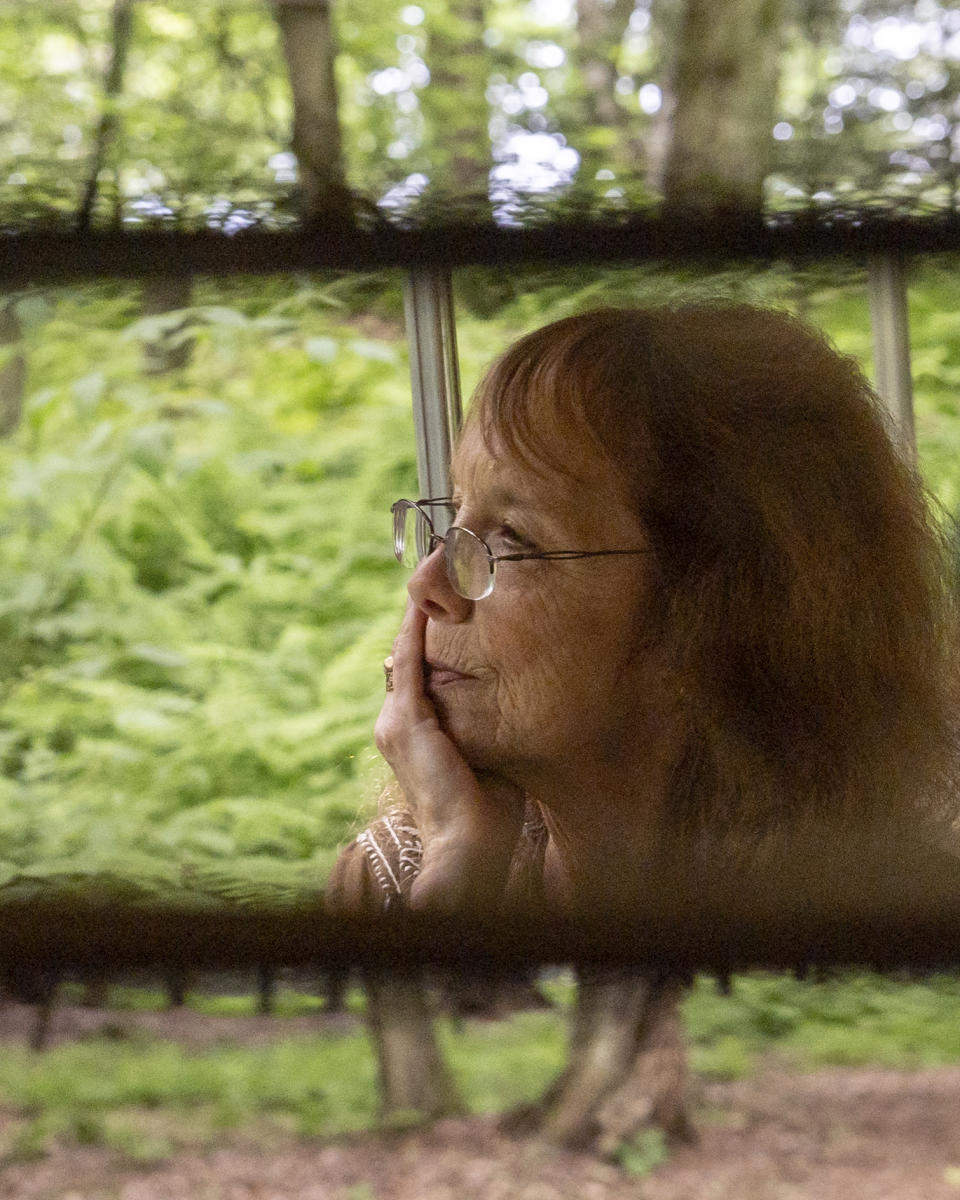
(138, 114)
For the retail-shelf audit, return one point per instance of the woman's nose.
(432, 592)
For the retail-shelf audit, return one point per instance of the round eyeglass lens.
(411, 535)
(400, 540)
(469, 568)
(423, 534)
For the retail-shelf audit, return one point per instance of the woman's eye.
(507, 540)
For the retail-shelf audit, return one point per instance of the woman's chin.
(465, 728)
(453, 721)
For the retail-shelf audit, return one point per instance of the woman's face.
(545, 670)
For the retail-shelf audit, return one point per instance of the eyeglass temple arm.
(562, 554)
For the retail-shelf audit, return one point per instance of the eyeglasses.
(471, 567)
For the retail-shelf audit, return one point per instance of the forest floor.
(837, 1134)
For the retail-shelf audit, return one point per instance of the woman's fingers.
(468, 829)
(408, 650)
(406, 706)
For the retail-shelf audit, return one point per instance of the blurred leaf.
(162, 656)
(150, 447)
(376, 351)
(89, 391)
(321, 349)
(219, 314)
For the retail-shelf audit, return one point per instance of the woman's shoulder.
(375, 872)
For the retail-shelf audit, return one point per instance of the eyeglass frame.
(438, 539)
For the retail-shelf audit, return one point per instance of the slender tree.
(122, 27)
(604, 124)
(724, 103)
(626, 1067)
(413, 1075)
(454, 104)
(310, 51)
(13, 370)
(600, 30)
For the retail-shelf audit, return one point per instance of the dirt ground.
(841, 1134)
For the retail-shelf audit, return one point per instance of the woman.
(744, 644)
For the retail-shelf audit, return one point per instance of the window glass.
(197, 579)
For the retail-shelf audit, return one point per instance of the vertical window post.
(434, 376)
(887, 288)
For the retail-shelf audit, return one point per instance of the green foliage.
(850, 1020)
(643, 1153)
(726, 1058)
(148, 1099)
(98, 1076)
(197, 587)
(359, 1191)
(499, 1065)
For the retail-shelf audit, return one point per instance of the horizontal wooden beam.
(56, 255)
(64, 935)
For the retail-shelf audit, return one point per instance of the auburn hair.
(801, 592)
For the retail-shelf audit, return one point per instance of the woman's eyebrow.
(496, 495)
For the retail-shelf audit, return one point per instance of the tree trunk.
(333, 989)
(666, 17)
(107, 125)
(724, 95)
(177, 980)
(37, 986)
(310, 52)
(454, 104)
(600, 30)
(413, 1076)
(604, 140)
(96, 990)
(266, 989)
(626, 1069)
(13, 372)
(172, 348)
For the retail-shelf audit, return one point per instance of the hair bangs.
(532, 400)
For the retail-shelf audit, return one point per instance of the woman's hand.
(469, 821)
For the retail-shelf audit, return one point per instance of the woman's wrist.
(465, 869)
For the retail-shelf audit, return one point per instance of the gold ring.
(388, 671)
